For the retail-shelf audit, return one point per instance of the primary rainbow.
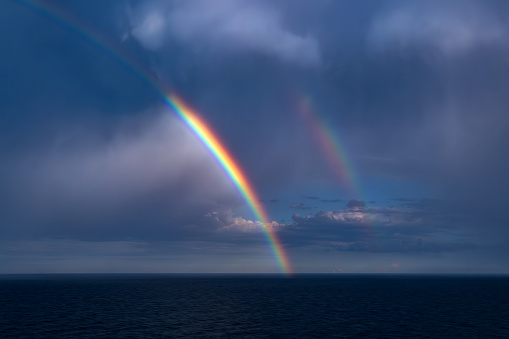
(190, 117)
(246, 189)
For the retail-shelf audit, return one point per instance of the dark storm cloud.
(409, 96)
(424, 79)
(454, 41)
(415, 90)
(467, 123)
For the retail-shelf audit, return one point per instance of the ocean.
(253, 306)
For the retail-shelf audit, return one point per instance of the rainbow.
(333, 151)
(246, 189)
(191, 118)
(329, 144)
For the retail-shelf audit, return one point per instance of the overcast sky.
(375, 133)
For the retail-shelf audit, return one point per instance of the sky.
(374, 135)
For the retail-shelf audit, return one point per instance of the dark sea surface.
(253, 306)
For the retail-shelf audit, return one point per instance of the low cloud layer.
(425, 226)
(385, 229)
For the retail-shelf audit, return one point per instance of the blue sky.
(98, 175)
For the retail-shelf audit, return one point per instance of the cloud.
(148, 170)
(424, 131)
(452, 28)
(225, 26)
(150, 31)
(226, 222)
(382, 229)
(386, 216)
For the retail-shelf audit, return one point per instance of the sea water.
(253, 306)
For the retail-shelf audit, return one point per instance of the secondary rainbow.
(189, 116)
(329, 144)
(333, 151)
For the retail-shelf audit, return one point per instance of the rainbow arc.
(189, 116)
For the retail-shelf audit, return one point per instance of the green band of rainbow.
(185, 113)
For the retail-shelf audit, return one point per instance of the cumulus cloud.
(387, 216)
(226, 222)
(223, 26)
(453, 28)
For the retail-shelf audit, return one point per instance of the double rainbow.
(184, 112)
